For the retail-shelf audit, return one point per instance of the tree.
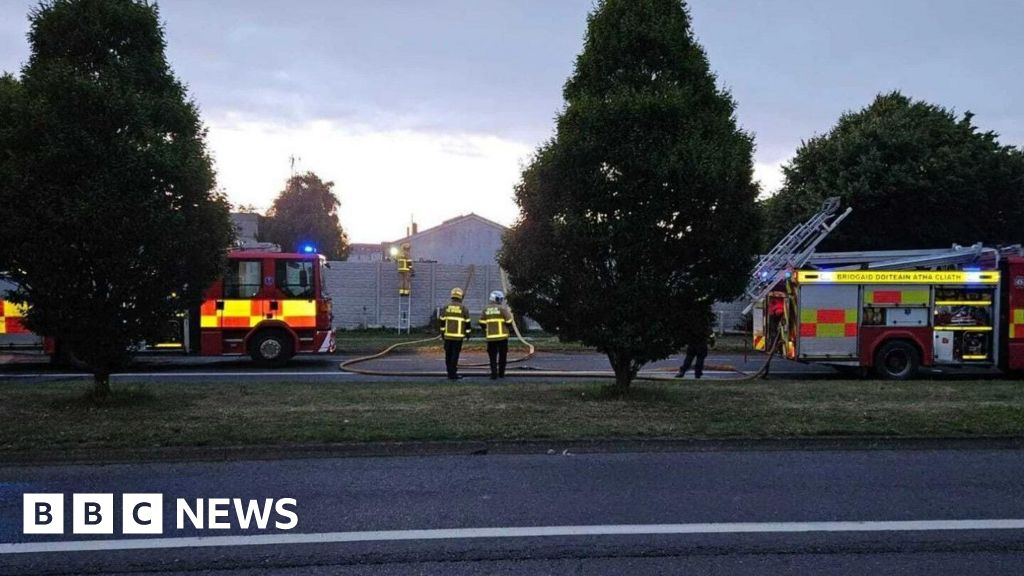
(916, 175)
(111, 220)
(639, 212)
(10, 95)
(247, 209)
(306, 212)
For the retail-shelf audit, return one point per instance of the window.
(242, 279)
(295, 278)
(324, 290)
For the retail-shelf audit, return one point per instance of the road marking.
(179, 374)
(509, 532)
(226, 374)
(13, 376)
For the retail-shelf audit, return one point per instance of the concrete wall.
(729, 315)
(365, 294)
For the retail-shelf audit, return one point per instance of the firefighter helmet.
(497, 296)
(457, 293)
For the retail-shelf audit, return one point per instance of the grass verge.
(52, 416)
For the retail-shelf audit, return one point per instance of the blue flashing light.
(308, 248)
(972, 269)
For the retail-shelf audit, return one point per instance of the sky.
(428, 109)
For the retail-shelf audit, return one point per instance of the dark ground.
(359, 494)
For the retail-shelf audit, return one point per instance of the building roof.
(472, 216)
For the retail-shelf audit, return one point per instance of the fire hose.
(531, 349)
(350, 365)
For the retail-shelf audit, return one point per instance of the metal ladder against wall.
(793, 250)
(404, 313)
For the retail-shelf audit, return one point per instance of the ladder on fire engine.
(404, 313)
(955, 258)
(793, 250)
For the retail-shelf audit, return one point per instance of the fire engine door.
(829, 317)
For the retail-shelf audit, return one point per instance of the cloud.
(383, 177)
(769, 174)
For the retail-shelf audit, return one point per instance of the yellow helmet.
(457, 293)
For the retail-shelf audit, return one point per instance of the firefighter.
(495, 321)
(455, 328)
(776, 314)
(696, 351)
(776, 321)
(404, 262)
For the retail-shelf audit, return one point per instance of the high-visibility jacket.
(404, 259)
(455, 321)
(495, 320)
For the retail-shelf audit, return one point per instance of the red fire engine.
(891, 312)
(270, 305)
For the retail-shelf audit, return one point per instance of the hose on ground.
(531, 349)
(349, 365)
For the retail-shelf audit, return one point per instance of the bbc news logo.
(144, 514)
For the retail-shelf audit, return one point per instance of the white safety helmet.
(497, 296)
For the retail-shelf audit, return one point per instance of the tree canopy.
(111, 220)
(640, 211)
(916, 175)
(306, 212)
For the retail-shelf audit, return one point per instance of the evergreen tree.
(640, 212)
(111, 220)
(915, 174)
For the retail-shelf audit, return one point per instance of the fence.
(365, 294)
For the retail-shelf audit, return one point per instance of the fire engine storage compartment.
(828, 322)
(964, 324)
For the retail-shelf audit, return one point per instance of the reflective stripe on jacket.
(455, 321)
(495, 320)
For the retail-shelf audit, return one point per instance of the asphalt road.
(696, 497)
(324, 368)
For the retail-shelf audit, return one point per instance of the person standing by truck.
(495, 321)
(455, 328)
(696, 351)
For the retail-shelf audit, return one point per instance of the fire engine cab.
(890, 312)
(269, 305)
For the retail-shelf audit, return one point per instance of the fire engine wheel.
(271, 348)
(897, 360)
